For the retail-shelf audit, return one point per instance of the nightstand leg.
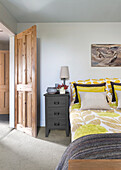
(47, 132)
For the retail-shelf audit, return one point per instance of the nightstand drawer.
(56, 123)
(56, 112)
(56, 101)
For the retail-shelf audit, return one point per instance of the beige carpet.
(55, 136)
(4, 129)
(19, 151)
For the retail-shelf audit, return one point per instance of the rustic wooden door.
(4, 82)
(26, 81)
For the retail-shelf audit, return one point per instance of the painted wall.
(70, 44)
(4, 45)
(7, 19)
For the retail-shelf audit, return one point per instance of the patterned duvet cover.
(86, 122)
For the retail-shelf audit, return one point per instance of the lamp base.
(64, 81)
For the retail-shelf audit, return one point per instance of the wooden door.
(4, 82)
(26, 81)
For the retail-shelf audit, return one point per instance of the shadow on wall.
(38, 81)
(4, 45)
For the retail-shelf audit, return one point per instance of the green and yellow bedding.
(86, 122)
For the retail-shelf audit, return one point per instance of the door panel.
(20, 107)
(29, 109)
(26, 82)
(19, 62)
(4, 82)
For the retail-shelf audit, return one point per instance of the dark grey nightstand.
(57, 112)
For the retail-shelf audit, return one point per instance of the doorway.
(22, 77)
(6, 78)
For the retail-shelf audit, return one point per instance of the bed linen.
(97, 146)
(86, 122)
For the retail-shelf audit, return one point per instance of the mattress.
(87, 122)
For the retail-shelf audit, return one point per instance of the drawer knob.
(57, 124)
(56, 103)
(56, 113)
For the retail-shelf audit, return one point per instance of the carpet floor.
(4, 129)
(22, 152)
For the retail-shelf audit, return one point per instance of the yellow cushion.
(88, 81)
(116, 87)
(89, 89)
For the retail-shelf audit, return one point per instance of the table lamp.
(64, 73)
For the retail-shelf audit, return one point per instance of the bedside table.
(57, 112)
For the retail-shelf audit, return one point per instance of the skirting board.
(42, 124)
(4, 117)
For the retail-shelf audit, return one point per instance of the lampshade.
(64, 74)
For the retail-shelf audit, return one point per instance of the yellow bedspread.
(85, 122)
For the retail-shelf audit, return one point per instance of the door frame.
(11, 83)
(11, 76)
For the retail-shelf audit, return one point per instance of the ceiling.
(4, 36)
(64, 10)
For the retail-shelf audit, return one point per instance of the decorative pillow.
(119, 99)
(109, 87)
(92, 101)
(87, 89)
(114, 87)
(89, 81)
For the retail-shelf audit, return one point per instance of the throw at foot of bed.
(98, 146)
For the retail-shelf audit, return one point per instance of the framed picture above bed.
(106, 55)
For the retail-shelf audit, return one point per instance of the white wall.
(7, 19)
(70, 44)
(4, 45)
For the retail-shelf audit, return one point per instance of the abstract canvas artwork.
(105, 55)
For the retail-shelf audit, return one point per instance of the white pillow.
(119, 98)
(94, 100)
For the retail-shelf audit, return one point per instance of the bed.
(94, 121)
(95, 134)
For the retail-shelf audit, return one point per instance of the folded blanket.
(97, 146)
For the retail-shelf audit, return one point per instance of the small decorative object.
(106, 55)
(62, 88)
(64, 74)
(51, 90)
